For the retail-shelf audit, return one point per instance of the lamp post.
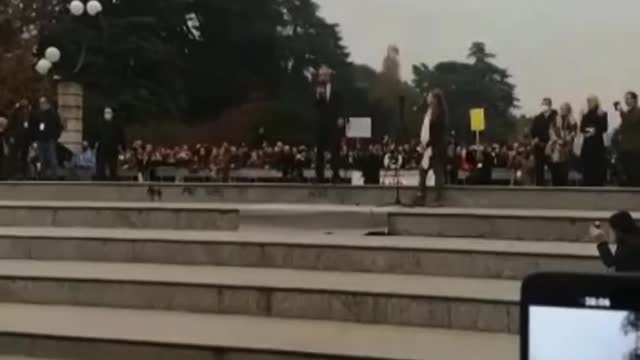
(52, 54)
(70, 94)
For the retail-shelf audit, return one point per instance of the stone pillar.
(70, 101)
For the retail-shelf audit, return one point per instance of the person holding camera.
(628, 139)
(625, 235)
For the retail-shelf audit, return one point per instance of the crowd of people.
(30, 145)
(559, 143)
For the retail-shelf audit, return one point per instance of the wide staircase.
(193, 279)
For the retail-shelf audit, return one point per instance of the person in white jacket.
(433, 138)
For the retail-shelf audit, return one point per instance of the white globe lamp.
(52, 54)
(43, 66)
(94, 7)
(76, 7)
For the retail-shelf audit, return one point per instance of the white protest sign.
(359, 128)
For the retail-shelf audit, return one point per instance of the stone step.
(470, 196)
(81, 333)
(338, 250)
(312, 216)
(443, 302)
(518, 224)
(118, 215)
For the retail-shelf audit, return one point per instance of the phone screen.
(581, 317)
(583, 334)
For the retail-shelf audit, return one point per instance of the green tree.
(18, 19)
(480, 83)
(631, 325)
(127, 55)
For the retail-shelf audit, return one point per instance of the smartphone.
(580, 317)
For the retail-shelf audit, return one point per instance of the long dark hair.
(440, 112)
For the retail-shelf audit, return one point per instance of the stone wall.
(70, 104)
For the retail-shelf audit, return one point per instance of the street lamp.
(52, 55)
(94, 7)
(76, 7)
(43, 66)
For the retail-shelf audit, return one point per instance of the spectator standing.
(331, 126)
(452, 161)
(19, 140)
(109, 140)
(4, 124)
(260, 138)
(562, 132)
(370, 163)
(46, 132)
(522, 165)
(629, 140)
(594, 154)
(540, 135)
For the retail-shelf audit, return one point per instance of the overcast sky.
(566, 49)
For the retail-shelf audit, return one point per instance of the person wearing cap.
(330, 131)
(624, 233)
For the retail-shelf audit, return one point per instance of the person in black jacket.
(594, 154)
(19, 137)
(540, 136)
(625, 234)
(331, 124)
(110, 138)
(46, 130)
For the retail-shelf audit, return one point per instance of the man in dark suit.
(330, 130)
(540, 136)
(47, 131)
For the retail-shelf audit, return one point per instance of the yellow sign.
(477, 120)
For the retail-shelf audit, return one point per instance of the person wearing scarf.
(433, 138)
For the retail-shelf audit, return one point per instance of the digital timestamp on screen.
(596, 302)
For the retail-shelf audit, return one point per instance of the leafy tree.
(17, 78)
(480, 83)
(126, 56)
(631, 325)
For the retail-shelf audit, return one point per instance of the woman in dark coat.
(594, 154)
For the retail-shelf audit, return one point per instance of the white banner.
(359, 128)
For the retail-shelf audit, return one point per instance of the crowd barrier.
(500, 176)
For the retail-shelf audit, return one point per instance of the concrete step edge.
(254, 333)
(491, 290)
(329, 239)
(118, 205)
